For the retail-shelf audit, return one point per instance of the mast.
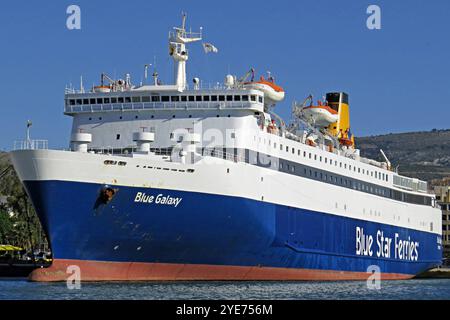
(177, 50)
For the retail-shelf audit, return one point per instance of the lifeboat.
(272, 92)
(102, 89)
(321, 116)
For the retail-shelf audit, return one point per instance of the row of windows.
(376, 174)
(177, 98)
(327, 177)
(166, 169)
(152, 117)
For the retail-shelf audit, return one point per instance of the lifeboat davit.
(321, 116)
(272, 92)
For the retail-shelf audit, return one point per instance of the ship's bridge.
(135, 100)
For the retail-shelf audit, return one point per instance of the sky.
(397, 77)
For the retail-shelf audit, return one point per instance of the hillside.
(423, 155)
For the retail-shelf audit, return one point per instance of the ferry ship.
(187, 182)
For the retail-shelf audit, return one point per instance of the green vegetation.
(423, 155)
(19, 224)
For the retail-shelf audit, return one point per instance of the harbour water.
(423, 289)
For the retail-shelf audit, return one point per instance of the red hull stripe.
(137, 271)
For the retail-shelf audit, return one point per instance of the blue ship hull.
(219, 231)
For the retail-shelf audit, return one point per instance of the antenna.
(81, 85)
(28, 142)
(146, 71)
(183, 24)
(178, 39)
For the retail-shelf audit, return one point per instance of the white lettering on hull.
(159, 199)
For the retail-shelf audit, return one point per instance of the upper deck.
(161, 100)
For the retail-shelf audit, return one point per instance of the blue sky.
(398, 78)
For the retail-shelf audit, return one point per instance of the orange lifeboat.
(272, 92)
(102, 89)
(321, 115)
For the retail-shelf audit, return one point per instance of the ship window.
(281, 147)
(175, 98)
(229, 98)
(79, 101)
(72, 102)
(345, 166)
(136, 99)
(244, 98)
(165, 98)
(287, 149)
(304, 154)
(117, 136)
(213, 98)
(127, 99)
(315, 157)
(237, 98)
(99, 101)
(191, 98)
(299, 152)
(260, 99)
(120, 100)
(106, 100)
(274, 144)
(155, 98)
(113, 100)
(221, 98)
(253, 98)
(184, 98)
(320, 158)
(145, 99)
(85, 101)
(198, 98)
(206, 98)
(310, 155)
(92, 101)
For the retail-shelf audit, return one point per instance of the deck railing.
(31, 145)
(90, 108)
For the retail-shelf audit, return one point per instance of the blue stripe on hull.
(211, 229)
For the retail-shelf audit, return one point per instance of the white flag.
(208, 47)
